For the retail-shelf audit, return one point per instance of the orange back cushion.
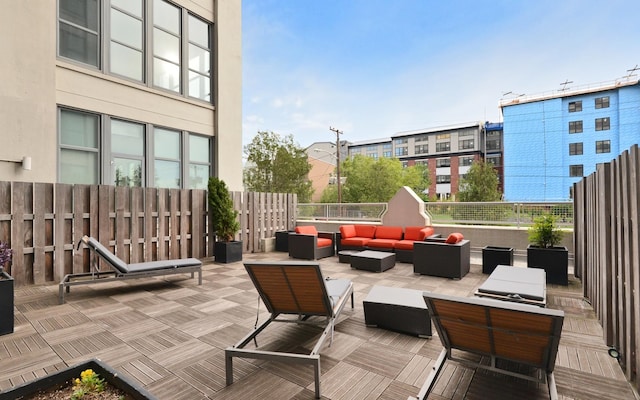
(367, 231)
(347, 231)
(307, 230)
(425, 232)
(454, 238)
(389, 232)
(412, 233)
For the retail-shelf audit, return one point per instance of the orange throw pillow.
(454, 238)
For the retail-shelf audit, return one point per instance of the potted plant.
(544, 252)
(224, 222)
(6, 291)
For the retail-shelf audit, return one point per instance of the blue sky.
(373, 68)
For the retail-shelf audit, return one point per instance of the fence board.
(19, 269)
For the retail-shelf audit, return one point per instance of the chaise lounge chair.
(121, 270)
(295, 289)
(521, 334)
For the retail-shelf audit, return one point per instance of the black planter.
(6, 303)
(492, 256)
(554, 260)
(110, 376)
(228, 252)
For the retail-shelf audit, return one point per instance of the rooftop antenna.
(564, 85)
(631, 72)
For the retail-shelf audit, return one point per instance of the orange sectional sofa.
(382, 238)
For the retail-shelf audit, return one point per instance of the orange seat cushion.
(389, 232)
(355, 241)
(382, 243)
(367, 231)
(307, 230)
(324, 242)
(347, 231)
(454, 238)
(404, 244)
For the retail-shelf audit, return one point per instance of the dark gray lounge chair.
(299, 290)
(121, 270)
(519, 333)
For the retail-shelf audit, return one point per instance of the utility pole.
(338, 132)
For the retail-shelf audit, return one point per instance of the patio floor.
(169, 335)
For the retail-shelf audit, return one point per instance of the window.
(199, 161)
(466, 160)
(126, 46)
(603, 124)
(443, 178)
(422, 162)
(166, 159)
(576, 170)
(401, 151)
(421, 149)
(443, 162)
(602, 102)
(129, 153)
(199, 59)
(421, 138)
(166, 46)
(493, 144)
(575, 149)
(466, 144)
(79, 147)
(445, 146)
(387, 154)
(575, 106)
(176, 43)
(373, 155)
(467, 132)
(401, 141)
(387, 146)
(78, 31)
(575, 126)
(372, 148)
(603, 146)
(443, 136)
(127, 150)
(495, 160)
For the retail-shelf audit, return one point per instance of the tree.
(480, 183)
(375, 181)
(277, 165)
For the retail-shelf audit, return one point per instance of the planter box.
(554, 260)
(59, 378)
(6, 303)
(492, 256)
(228, 252)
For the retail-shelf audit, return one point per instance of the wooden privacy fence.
(607, 252)
(43, 223)
(262, 215)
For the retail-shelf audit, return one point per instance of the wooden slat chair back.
(519, 333)
(293, 288)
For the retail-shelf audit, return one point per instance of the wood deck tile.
(380, 359)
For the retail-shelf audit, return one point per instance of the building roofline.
(560, 93)
(439, 128)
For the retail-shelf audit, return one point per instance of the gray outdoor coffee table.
(376, 261)
(517, 284)
(397, 309)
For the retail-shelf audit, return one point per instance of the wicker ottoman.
(397, 309)
(376, 261)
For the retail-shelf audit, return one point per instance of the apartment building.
(552, 140)
(323, 158)
(448, 151)
(122, 92)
